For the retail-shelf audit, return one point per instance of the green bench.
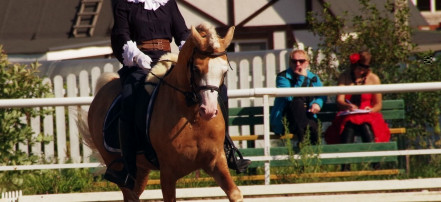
(393, 110)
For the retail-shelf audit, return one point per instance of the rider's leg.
(131, 78)
(241, 164)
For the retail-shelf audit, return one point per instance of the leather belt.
(155, 44)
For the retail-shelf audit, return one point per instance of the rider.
(141, 34)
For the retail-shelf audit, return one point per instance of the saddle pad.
(110, 129)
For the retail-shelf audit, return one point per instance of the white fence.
(252, 78)
(264, 93)
(76, 79)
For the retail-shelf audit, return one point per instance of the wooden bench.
(253, 116)
(393, 111)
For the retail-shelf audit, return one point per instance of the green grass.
(82, 180)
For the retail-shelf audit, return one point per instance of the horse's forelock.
(208, 31)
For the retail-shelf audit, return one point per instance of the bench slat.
(391, 110)
(336, 148)
(274, 137)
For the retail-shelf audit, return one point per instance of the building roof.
(35, 27)
(32, 27)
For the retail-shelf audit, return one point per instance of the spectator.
(360, 114)
(301, 112)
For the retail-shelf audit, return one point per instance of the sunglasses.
(363, 66)
(301, 61)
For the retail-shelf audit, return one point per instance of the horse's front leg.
(221, 175)
(129, 195)
(168, 185)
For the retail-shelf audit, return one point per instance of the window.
(423, 5)
(438, 5)
(245, 45)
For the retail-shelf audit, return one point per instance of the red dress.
(375, 119)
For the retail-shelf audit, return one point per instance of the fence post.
(266, 130)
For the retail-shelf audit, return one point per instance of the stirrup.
(241, 164)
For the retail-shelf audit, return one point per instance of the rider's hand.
(143, 60)
(130, 50)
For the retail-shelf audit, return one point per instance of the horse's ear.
(229, 36)
(197, 38)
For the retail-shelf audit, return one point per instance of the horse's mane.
(160, 69)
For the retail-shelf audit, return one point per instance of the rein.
(192, 97)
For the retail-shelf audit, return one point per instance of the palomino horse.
(186, 130)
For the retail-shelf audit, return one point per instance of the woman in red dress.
(360, 114)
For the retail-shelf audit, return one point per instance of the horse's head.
(208, 66)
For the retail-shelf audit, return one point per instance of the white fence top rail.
(334, 90)
(253, 92)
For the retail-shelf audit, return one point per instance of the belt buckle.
(160, 45)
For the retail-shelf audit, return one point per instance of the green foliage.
(387, 38)
(18, 81)
(387, 35)
(53, 181)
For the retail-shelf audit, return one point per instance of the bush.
(18, 81)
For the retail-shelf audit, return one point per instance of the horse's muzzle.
(207, 113)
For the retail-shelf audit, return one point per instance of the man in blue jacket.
(301, 112)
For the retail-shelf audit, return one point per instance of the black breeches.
(300, 119)
(351, 130)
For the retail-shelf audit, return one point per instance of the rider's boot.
(241, 164)
(126, 176)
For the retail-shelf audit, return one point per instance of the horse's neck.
(179, 80)
(179, 75)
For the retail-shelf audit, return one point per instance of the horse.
(186, 131)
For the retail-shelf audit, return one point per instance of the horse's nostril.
(203, 109)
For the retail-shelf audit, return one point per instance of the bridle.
(193, 97)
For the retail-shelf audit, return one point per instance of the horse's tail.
(86, 136)
(83, 128)
(105, 78)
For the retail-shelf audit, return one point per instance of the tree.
(378, 31)
(387, 35)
